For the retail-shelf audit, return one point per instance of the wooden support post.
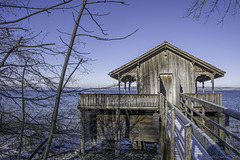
(125, 87)
(188, 142)
(119, 83)
(82, 131)
(212, 80)
(166, 141)
(117, 134)
(159, 121)
(138, 77)
(196, 86)
(226, 135)
(172, 156)
(129, 87)
(203, 87)
(117, 128)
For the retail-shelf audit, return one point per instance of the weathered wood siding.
(166, 62)
(144, 128)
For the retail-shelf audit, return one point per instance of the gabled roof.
(166, 46)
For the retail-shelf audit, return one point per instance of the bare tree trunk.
(23, 112)
(59, 91)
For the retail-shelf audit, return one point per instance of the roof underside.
(167, 46)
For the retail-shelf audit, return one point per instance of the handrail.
(206, 146)
(224, 127)
(205, 103)
(232, 113)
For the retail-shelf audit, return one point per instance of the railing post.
(166, 131)
(221, 122)
(82, 130)
(191, 105)
(162, 128)
(172, 133)
(186, 109)
(226, 135)
(203, 120)
(203, 113)
(188, 141)
(159, 121)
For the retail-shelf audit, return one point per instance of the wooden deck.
(150, 117)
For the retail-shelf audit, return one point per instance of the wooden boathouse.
(167, 111)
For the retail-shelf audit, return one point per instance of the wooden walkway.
(186, 129)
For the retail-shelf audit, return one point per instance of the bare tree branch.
(106, 2)
(43, 10)
(99, 26)
(107, 39)
(59, 91)
(208, 7)
(9, 52)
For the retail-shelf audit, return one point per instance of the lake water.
(69, 102)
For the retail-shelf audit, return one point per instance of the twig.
(107, 39)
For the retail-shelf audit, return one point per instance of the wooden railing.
(210, 97)
(118, 101)
(183, 136)
(220, 130)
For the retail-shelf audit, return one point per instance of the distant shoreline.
(220, 89)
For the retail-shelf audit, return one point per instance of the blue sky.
(157, 21)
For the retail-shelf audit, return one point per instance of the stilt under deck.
(148, 118)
